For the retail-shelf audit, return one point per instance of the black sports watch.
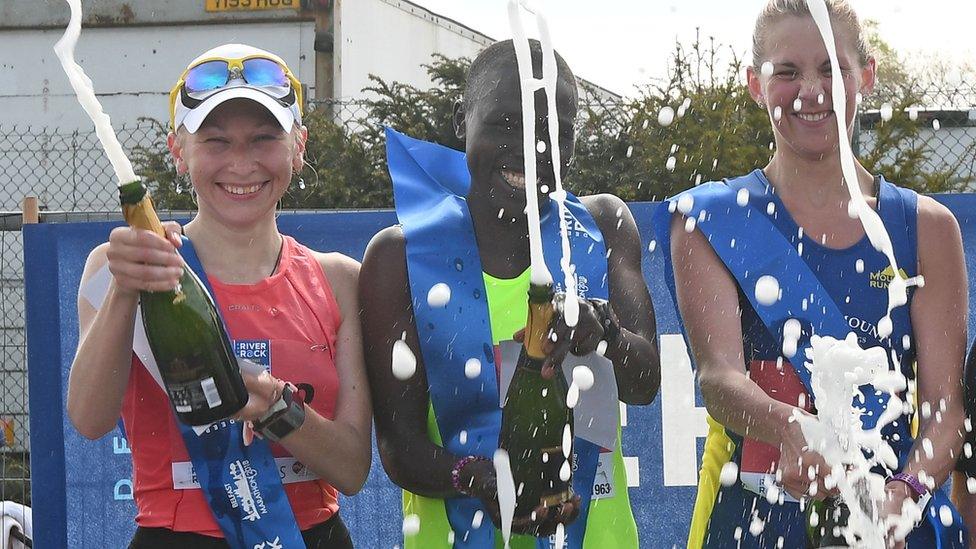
(285, 415)
(608, 319)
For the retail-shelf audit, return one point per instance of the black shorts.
(331, 534)
(967, 457)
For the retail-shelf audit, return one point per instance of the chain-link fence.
(68, 171)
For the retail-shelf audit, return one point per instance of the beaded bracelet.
(456, 473)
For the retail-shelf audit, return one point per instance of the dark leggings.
(331, 534)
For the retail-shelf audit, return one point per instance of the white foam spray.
(839, 368)
(506, 492)
(873, 226)
(529, 84)
(84, 90)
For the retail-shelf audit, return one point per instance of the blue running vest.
(831, 293)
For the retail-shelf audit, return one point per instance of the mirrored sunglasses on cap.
(209, 76)
(212, 75)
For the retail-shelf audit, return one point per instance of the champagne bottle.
(534, 417)
(187, 337)
(826, 521)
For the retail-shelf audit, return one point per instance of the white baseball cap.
(233, 71)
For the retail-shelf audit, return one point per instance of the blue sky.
(621, 43)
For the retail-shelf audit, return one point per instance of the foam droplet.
(884, 326)
(936, 125)
(767, 290)
(926, 410)
(560, 536)
(601, 348)
(686, 203)
(756, 526)
(439, 295)
(540, 147)
(742, 197)
(506, 491)
(671, 163)
(463, 437)
(771, 208)
(665, 116)
(583, 377)
(945, 515)
(778, 113)
(652, 246)
(630, 151)
(472, 368)
(729, 474)
(572, 396)
(476, 521)
(571, 310)
(690, 224)
(564, 471)
(404, 363)
(913, 113)
(411, 525)
(859, 266)
(797, 104)
(567, 441)
(766, 69)
(886, 112)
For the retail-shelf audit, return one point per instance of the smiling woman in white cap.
(236, 115)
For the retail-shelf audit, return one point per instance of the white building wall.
(132, 68)
(392, 39)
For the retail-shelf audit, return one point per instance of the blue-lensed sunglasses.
(215, 74)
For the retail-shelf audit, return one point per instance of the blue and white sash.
(241, 483)
(751, 246)
(430, 183)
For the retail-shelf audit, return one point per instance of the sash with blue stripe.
(751, 246)
(430, 183)
(241, 483)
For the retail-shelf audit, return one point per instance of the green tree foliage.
(153, 164)
(699, 124)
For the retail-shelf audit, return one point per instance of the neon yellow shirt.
(610, 522)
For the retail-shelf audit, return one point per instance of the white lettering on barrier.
(682, 422)
(122, 490)
(120, 445)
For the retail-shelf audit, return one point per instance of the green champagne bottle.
(826, 521)
(534, 417)
(185, 333)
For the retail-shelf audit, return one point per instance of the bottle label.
(597, 410)
(210, 392)
(194, 395)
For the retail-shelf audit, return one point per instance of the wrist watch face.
(286, 415)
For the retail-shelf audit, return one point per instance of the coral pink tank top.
(287, 322)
